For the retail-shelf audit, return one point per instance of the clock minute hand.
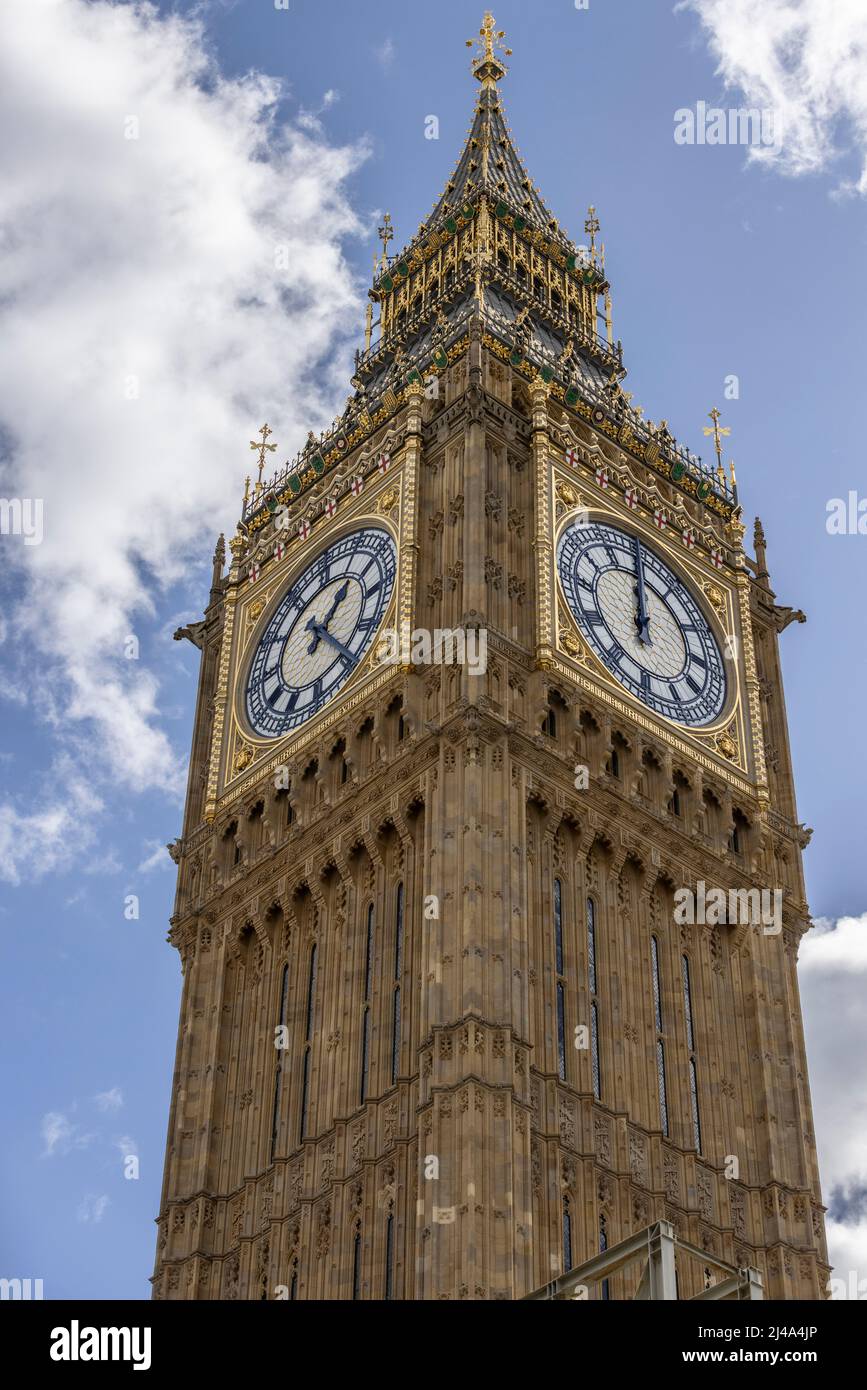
(322, 632)
(642, 621)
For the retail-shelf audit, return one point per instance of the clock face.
(320, 630)
(643, 622)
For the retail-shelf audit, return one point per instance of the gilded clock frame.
(239, 757)
(728, 745)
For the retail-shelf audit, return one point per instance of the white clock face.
(320, 630)
(642, 621)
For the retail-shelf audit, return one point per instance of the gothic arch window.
(659, 1030)
(617, 756)
(603, 1246)
(680, 789)
(286, 796)
(398, 963)
(567, 1235)
(389, 1256)
(549, 723)
(308, 1042)
(368, 994)
(690, 1044)
(280, 1051)
(561, 979)
(356, 1262)
(738, 834)
(232, 847)
(395, 728)
(293, 1282)
(592, 982)
(337, 757)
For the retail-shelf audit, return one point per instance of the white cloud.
(159, 857)
(151, 258)
(833, 959)
(53, 837)
(385, 53)
(60, 1135)
(807, 61)
(109, 1100)
(126, 1145)
(92, 1208)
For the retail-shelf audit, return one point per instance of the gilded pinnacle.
(717, 431)
(487, 66)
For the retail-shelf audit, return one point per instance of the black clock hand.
(338, 599)
(642, 621)
(314, 626)
(322, 632)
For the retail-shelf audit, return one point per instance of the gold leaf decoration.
(243, 756)
(388, 500)
(568, 495)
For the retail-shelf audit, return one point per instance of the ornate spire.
(490, 161)
(487, 67)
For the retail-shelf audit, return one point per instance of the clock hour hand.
(338, 599)
(314, 627)
(642, 621)
(320, 630)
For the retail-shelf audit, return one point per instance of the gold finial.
(488, 67)
(246, 491)
(717, 431)
(591, 227)
(264, 431)
(386, 234)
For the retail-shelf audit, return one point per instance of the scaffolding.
(658, 1247)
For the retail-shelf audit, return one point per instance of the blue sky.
(141, 260)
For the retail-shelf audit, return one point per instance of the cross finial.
(386, 234)
(261, 447)
(487, 66)
(717, 431)
(591, 227)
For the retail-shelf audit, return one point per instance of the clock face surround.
(320, 630)
(643, 622)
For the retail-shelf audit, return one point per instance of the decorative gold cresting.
(487, 67)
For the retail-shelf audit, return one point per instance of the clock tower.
(489, 886)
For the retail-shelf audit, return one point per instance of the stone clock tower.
(458, 1012)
